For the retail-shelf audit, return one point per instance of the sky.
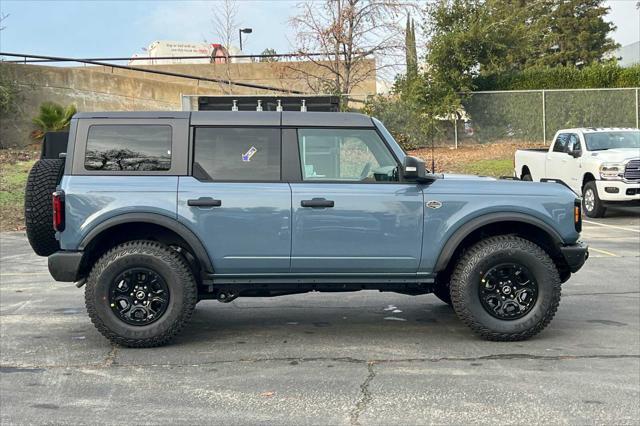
(95, 28)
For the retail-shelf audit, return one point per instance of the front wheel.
(591, 203)
(140, 294)
(441, 291)
(505, 288)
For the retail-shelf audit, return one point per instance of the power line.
(167, 73)
(153, 58)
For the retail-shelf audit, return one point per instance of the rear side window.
(236, 154)
(128, 148)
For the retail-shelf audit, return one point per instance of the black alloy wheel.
(508, 291)
(139, 296)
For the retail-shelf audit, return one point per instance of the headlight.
(611, 171)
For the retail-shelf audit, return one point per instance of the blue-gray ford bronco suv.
(155, 211)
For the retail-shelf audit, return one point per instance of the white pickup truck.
(602, 164)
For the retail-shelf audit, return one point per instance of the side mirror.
(413, 169)
(574, 154)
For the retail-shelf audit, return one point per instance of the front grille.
(632, 171)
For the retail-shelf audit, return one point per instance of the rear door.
(235, 201)
(351, 214)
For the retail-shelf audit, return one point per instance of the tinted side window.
(236, 154)
(355, 155)
(128, 148)
(561, 143)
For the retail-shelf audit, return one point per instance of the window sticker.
(246, 157)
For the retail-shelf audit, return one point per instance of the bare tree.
(225, 22)
(3, 17)
(347, 33)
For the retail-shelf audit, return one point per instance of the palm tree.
(52, 118)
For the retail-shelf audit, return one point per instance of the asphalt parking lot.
(353, 358)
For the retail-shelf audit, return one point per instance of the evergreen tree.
(411, 49)
(470, 38)
(575, 33)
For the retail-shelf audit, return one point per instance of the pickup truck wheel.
(505, 288)
(140, 294)
(527, 177)
(591, 203)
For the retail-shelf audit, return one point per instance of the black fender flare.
(157, 219)
(467, 228)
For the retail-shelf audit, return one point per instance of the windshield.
(397, 149)
(611, 140)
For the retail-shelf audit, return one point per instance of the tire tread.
(38, 212)
(172, 258)
(461, 277)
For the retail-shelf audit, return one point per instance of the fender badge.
(433, 204)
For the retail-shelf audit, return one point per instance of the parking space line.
(612, 226)
(603, 252)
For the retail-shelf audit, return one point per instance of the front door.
(561, 164)
(351, 214)
(234, 200)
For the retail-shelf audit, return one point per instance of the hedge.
(609, 75)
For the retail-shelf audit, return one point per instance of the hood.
(466, 177)
(616, 155)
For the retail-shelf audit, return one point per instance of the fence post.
(637, 111)
(544, 118)
(455, 130)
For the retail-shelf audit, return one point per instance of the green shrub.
(598, 75)
(52, 118)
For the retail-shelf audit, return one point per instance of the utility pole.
(246, 31)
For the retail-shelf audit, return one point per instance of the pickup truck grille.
(632, 170)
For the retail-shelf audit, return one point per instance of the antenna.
(433, 158)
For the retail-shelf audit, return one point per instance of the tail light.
(58, 210)
(577, 214)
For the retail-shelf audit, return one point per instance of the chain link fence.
(514, 116)
(533, 116)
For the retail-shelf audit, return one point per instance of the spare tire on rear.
(38, 211)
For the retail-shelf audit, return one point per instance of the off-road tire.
(599, 208)
(441, 291)
(492, 251)
(38, 211)
(166, 262)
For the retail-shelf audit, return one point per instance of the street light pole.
(246, 31)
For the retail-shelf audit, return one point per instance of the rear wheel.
(591, 203)
(505, 288)
(140, 294)
(38, 210)
(527, 177)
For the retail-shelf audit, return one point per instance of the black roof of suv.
(247, 118)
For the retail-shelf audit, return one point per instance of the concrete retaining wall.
(111, 89)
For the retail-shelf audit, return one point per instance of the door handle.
(204, 202)
(317, 202)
